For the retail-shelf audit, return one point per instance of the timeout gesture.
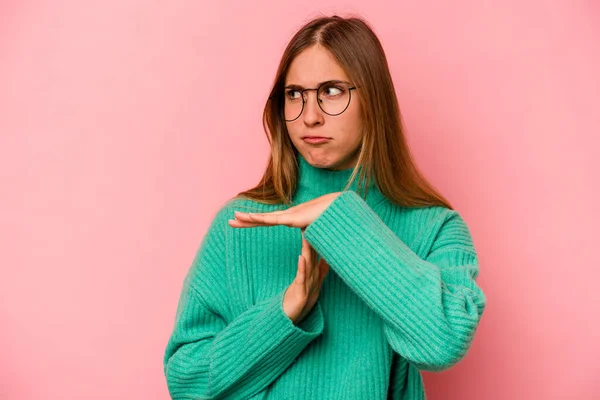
(302, 294)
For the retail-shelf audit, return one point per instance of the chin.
(330, 165)
(318, 160)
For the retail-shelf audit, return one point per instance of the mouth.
(315, 139)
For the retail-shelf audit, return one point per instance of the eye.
(292, 94)
(333, 90)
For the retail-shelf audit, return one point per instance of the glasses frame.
(350, 89)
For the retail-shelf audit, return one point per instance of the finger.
(277, 212)
(313, 274)
(314, 255)
(301, 273)
(234, 223)
(323, 271)
(310, 266)
(314, 279)
(247, 213)
(273, 218)
(306, 251)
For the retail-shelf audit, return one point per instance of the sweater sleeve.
(210, 357)
(430, 307)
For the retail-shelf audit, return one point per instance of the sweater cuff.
(298, 336)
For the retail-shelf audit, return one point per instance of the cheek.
(291, 128)
(354, 112)
(352, 121)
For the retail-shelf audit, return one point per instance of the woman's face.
(344, 131)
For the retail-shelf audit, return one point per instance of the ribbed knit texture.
(400, 297)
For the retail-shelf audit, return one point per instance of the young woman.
(352, 274)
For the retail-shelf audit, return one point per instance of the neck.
(314, 182)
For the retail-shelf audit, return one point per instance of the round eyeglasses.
(333, 98)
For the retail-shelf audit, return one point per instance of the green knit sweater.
(400, 297)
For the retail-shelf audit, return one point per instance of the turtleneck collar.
(313, 182)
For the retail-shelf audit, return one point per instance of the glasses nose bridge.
(305, 99)
(305, 95)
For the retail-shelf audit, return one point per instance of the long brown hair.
(384, 153)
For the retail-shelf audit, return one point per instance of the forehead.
(312, 66)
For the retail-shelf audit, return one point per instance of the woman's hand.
(302, 294)
(299, 216)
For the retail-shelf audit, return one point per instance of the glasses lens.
(293, 104)
(334, 98)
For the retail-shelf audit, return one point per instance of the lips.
(315, 139)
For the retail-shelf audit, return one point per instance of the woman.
(385, 282)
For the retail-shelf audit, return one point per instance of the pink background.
(125, 124)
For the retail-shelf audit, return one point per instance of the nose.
(312, 113)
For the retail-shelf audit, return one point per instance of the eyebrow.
(295, 86)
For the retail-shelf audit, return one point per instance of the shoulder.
(448, 230)
(430, 217)
(417, 218)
